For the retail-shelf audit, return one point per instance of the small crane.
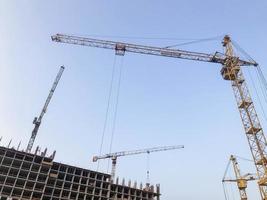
(37, 121)
(239, 179)
(114, 156)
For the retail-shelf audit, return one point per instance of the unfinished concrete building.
(37, 176)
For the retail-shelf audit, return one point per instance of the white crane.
(37, 121)
(115, 155)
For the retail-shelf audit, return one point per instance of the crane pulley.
(37, 121)
(231, 71)
(115, 155)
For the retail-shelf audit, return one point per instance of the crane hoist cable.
(228, 190)
(262, 86)
(148, 169)
(242, 51)
(113, 129)
(243, 158)
(257, 95)
(261, 77)
(226, 196)
(226, 170)
(107, 108)
(114, 90)
(262, 81)
(142, 38)
(232, 192)
(195, 41)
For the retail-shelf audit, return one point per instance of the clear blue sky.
(163, 101)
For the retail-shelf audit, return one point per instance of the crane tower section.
(257, 142)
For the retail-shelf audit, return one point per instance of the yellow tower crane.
(231, 71)
(241, 180)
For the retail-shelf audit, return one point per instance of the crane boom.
(140, 151)
(37, 121)
(115, 155)
(121, 48)
(231, 71)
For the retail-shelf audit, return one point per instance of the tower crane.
(114, 156)
(37, 121)
(239, 179)
(230, 71)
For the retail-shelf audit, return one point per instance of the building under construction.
(24, 175)
(36, 176)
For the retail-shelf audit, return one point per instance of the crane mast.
(231, 71)
(257, 142)
(241, 183)
(37, 121)
(115, 155)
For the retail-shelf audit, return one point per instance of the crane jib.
(120, 49)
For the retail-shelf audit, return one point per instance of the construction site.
(31, 171)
